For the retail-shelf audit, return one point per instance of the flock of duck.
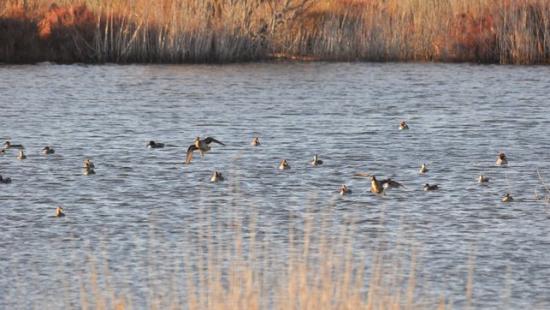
(204, 145)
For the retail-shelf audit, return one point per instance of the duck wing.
(189, 155)
(209, 140)
(390, 183)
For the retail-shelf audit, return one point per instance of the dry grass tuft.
(320, 272)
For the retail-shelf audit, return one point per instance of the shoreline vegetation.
(222, 31)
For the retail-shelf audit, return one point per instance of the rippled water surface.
(144, 207)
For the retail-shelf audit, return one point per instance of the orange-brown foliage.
(59, 18)
(68, 32)
(474, 37)
(227, 30)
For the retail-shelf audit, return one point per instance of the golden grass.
(176, 31)
(320, 271)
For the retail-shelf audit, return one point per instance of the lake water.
(144, 207)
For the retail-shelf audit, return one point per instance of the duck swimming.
(4, 180)
(48, 150)
(255, 141)
(344, 190)
(375, 186)
(88, 168)
(155, 145)
(21, 155)
(284, 165)
(403, 126)
(423, 169)
(428, 187)
(482, 179)
(316, 161)
(501, 160)
(507, 198)
(202, 146)
(59, 212)
(216, 177)
(9, 145)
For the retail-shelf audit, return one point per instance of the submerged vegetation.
(178, 31)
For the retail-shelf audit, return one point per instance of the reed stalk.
(186, 31)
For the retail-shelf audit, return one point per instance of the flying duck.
(202, 146)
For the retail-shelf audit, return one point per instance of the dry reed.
(179, 31)
(320, 272)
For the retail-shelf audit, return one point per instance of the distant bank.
(221, 31)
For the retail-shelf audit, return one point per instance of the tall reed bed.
(177, 31)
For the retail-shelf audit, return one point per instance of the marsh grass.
(319, 271)
(179, 31)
